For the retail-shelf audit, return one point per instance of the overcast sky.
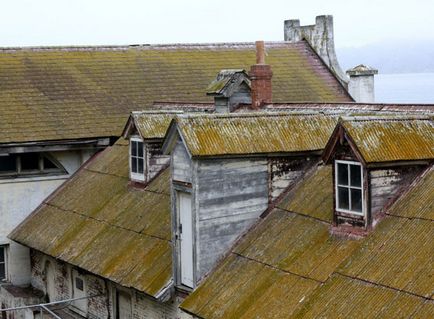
(96, 22)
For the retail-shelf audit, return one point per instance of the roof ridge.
(386, 117)
(249, 115)
(143, 46)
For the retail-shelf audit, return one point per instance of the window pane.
(2, 271)
(356, 200)
(133, 148)
(343, 198)
(8, 163)
(29, 161)
(355, 175)
(134, 164)
(140, 149)
(79, 284)
(2, 254)
(342, 174)
(140, 165)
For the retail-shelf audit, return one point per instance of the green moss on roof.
(52, 94)
(211, 135)
(385, 140)
(96, 209)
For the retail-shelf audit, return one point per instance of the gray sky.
(95, 22)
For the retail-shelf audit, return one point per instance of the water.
(404, 88)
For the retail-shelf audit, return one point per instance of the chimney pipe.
(260, 76)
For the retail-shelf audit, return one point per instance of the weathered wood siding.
(285, 171)
(385, 185)
(230, 196)
(155, 160)
(181, 164)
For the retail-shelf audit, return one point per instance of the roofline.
(145, 46)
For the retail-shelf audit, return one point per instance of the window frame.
(349, 187)
(133, 175)
(5, 262)
(41, 170)
(80, 309)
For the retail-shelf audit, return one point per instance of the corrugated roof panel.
(313, 196)
(419, 201)
(96, 222)
(400, 254)
(385, 140)
(342, 297)
(67, 93)
(297, 244)
(210, 135)
(243, 288)
(152, 125)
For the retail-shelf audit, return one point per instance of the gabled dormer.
(230, 88)
(145, 131)
(374, 160)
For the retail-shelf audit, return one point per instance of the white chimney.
(361, 86)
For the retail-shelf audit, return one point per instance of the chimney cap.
(362, 70)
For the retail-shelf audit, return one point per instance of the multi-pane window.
(349, 187)
(28, 164)
(2, 263)
(137, 159)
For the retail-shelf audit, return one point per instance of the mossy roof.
(152, 124)
(95, 221)
(69, 93)
(254, 133)
(392, 139)
(290, 265)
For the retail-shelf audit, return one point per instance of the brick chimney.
(260, 76)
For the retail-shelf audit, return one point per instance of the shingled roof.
(72, 93)
(98, 223)
(291, 266)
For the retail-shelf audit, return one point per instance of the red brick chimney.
(260, 76)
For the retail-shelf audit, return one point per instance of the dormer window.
(137, 159)
(349, 187)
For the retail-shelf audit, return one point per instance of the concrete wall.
(18, 198)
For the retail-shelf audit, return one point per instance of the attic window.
(137, 159)
(349, 187)
(29, 164)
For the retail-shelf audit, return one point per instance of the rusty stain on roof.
(254, 133)
(66, 93)
(392, 139)
(96, 210)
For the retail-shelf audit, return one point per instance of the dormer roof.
(250, 133)
(227, 82)
(150, 125)
(385, 138)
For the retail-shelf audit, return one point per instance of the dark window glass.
(356, 200)
(140, 165)
(79, 284)
(2, 271)
(343, 198)
(139, 149)
(48, 164)
(342, 174)
(355, 175)
(134, 165)
(133, 148)
(29, 161)
(8, 163)
(2, 264)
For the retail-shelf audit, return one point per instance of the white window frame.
(5, 255)
(349, 211)
(133, 175)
